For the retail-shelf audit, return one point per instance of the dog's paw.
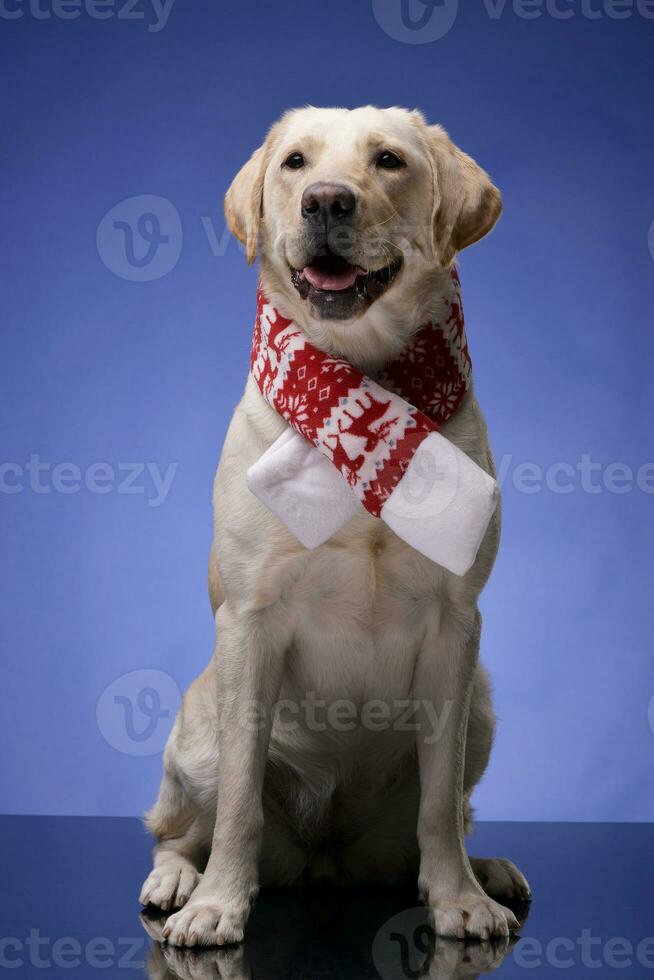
(501, 879)
(206, 923)
(170, 886)
(472, 915)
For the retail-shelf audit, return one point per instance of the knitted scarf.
(369, 429)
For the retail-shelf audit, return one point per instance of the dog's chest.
(362, 607)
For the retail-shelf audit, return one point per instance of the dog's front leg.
(442, 687)
(250, 654)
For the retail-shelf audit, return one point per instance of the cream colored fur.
(362, 618)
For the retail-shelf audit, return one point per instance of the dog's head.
(350, 209)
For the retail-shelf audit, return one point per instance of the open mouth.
(329, 280)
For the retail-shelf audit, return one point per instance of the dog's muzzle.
(337, 286)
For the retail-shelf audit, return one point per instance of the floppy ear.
(244, 203)
(466, 202)
(244, 199)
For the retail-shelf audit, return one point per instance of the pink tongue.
(335, 280)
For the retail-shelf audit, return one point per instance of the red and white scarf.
(369, 430)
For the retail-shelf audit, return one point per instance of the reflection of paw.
(501, 879)
(207, 964)
(153, 922)
(487, 956)
(453, 960)
(473, 915)
(206, 923)
(170, 886)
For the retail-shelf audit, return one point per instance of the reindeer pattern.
(361, 432)
(362, 425)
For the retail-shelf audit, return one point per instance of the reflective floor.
(69, 909)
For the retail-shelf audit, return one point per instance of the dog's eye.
(294, 162)
(389, 161)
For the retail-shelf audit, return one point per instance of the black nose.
(323, 203)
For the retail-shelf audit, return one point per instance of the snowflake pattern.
(445, 400)
(294, 408)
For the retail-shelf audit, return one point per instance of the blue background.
(96, 368)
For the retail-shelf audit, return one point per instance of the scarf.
(371, 431)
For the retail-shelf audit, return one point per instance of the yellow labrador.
(344, 719)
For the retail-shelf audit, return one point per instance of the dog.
(251, 796)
